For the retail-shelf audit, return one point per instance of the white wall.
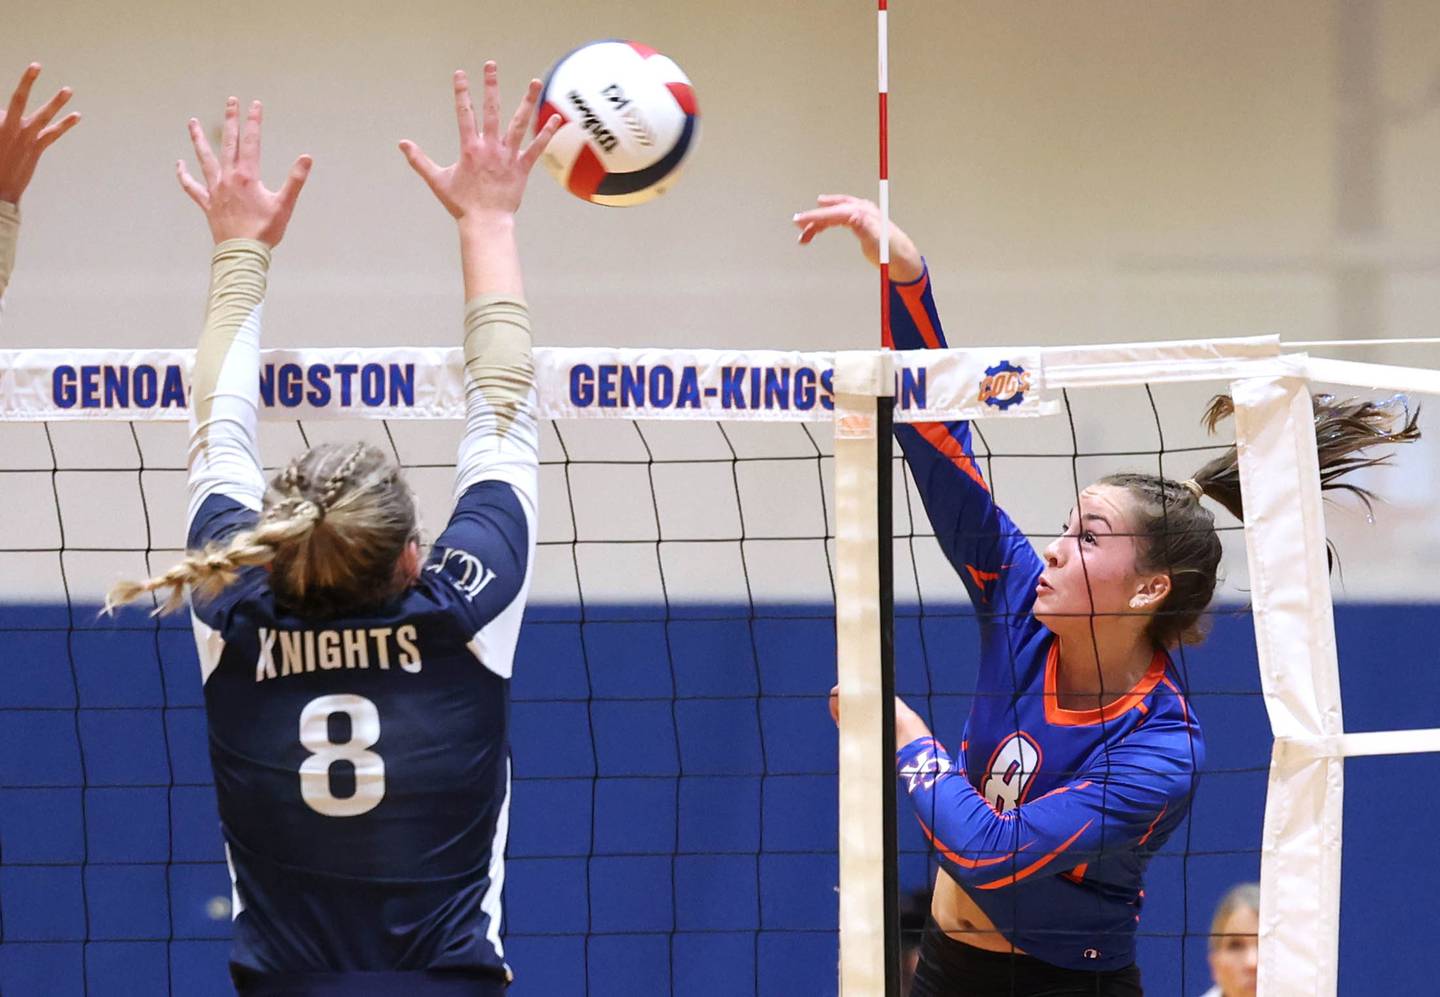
(1114, 170)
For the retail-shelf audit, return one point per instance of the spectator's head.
(1235, 941)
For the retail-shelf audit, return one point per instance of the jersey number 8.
(324, 753)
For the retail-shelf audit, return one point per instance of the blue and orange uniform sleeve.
(992, 557)
(1119, 805)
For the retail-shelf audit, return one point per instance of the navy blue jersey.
(361, 764)
(1046, 816)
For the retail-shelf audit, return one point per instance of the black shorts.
(421, 984)
(948, 968)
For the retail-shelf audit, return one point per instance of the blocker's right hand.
(236, 204)
(489, 177)
(861, 217)
(23, 140)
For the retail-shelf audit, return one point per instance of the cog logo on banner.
(1004, 385)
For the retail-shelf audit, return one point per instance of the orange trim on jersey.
(1151, 829)
(1184, 707)
(1061, 717)
(960, 860)
(1065, 789)
(1077, 874)
(939, 437)
(1040, 863)
(913, 297)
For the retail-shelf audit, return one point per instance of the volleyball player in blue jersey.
(23, 139)
(356, 695)
(1081, 753)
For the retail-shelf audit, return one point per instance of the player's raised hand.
(489, 177)
(23, 139)
(862, 218)
(236, 204)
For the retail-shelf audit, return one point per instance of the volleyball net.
(686, 818)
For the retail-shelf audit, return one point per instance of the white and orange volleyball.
(631, 121)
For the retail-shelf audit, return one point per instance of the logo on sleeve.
(1004, 385)
(922, 771)
(463, 570)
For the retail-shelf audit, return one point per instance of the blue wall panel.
(674, 818)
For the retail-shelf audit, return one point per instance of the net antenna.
(865, 625)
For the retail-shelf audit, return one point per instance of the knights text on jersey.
(361, 763)
(1047, 817)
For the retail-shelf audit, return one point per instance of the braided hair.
(1175, 534)
(333, 527)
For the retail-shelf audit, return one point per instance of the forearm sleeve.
(224, 456)
(9, 236)
(502, 438)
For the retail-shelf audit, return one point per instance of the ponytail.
(334, 525)
(1343, 429)
(1176, 534)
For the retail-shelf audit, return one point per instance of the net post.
(1300, 678)
(869, 892)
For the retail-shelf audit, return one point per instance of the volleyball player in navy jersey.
(23, 139)
(1081, 752)
(357, 696)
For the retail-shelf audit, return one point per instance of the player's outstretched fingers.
(811, 223)
(249, 156)
(191, 186)
(419, 162)
(515, 135)
(50, 135)
(230, 136)
(464, 111)
(204, 155)
(21, 96)
(294, 182)
(490, 104)
(537, 145)
(51, 107)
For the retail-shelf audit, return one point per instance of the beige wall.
(1099, 171)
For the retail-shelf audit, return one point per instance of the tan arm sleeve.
(225, 384)
(9, 236)
(501, 435)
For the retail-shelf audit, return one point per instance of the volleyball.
(630, 122)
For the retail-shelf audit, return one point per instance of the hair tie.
(1193, 487)
(310, 510)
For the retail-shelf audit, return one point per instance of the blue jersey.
(362, 761)
(1047, 817)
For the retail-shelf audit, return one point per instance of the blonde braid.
(208, 572)
(336, 484)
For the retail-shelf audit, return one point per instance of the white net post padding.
(860, 379)
(1300, 677)
(1300, 673)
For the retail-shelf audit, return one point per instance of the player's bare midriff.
(962, 919)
